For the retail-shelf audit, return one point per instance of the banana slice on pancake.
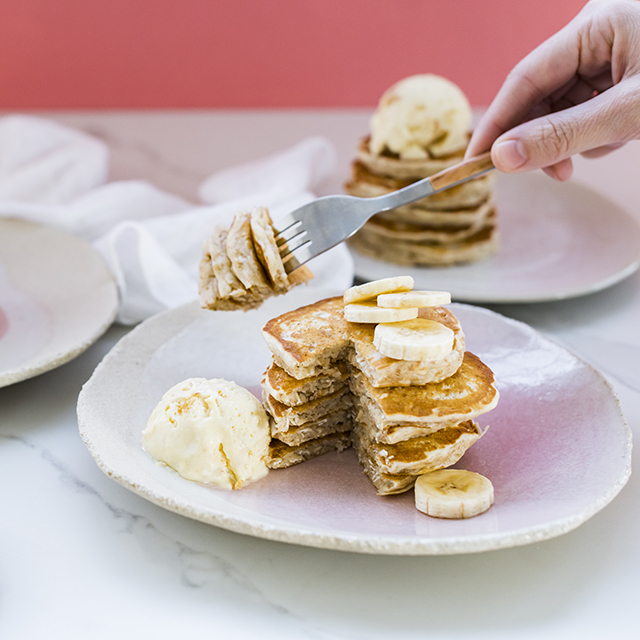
(453, 493)
(415, 339)
(371, 290)
(417, 299)
(370, 312)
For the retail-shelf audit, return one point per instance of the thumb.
(610, 118)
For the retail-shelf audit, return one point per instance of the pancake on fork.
(241, 267)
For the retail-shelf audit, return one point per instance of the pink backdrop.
(258, 53)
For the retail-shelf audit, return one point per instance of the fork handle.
(459, 172)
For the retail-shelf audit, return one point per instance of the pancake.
(209, 293)
(334, 422)
(470, 194)
(244, 259)
(422, 454)
(445, 234)
(465, 395)
(399, 431)
(308, 341)
(291, 391)
(478, 247)
(452, 218)
(282, 455)
(242, 267)
(364, 412)
(389, 164)
(268, 254)
(382, 371)
(285, 416)
(385, 483)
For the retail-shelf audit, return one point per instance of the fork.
(319, 225)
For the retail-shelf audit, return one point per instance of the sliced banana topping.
(416, 339)
(453, 493)
(371, 290)
(372, 313)
(417, 299)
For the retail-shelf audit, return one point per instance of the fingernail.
(510, 154)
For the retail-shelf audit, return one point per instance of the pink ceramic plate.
(557, 240)
(558, 449)
(57, 297)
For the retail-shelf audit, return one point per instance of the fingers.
(608, 119)
(548, 68)
(562, 171)
(580, 51)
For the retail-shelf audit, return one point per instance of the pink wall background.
(258, 53)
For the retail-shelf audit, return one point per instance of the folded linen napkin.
(150, 239)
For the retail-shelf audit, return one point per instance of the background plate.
(557, 240)
(558, 449)
(57, 297)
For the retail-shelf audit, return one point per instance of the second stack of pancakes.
(329, 388)
(452, 227)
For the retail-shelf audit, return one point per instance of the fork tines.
(292, 242)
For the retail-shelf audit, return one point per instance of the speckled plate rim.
(166, 324)
(58, 279)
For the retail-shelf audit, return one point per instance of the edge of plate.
(354, 543)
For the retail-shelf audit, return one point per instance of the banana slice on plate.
(414, 299)
(453, 493)
(370, 312)
(415, 339)
(371, 290)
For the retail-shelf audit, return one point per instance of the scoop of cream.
(211, 431)
(421, 116)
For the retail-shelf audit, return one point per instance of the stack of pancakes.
(451, 227)
(241, 267)
(328, 387)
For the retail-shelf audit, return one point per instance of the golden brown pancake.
(291, 391)
(244, 259)
(282, 455)
(471, 194)
(390, 164)
(422, 455)
(286, 416)
(468, 393)
(383, 371)
(398, 431)
(334, 422)
(480, 246)
(308, 341)
(242, 267)
(412, 232)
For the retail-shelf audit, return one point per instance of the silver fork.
(319, 225)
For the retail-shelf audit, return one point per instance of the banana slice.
(417, 339)
(371, 312)
(453, 493)
(370, 290)
(414, 299)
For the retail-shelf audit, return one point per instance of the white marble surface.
(82, 557)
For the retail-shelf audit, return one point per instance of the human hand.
(578, 92)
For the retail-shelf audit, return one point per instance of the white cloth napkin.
(150, 239)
